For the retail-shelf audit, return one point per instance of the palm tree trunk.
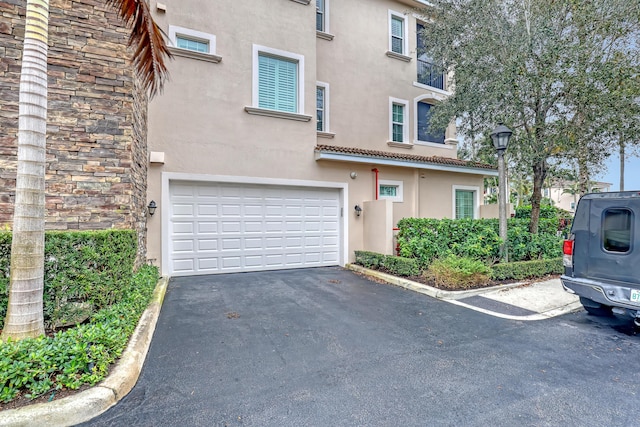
(24, 312)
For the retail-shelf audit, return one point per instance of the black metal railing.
(429, 75)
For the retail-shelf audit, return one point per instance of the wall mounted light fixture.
(358, 210)
(353, 175)
(152, 207)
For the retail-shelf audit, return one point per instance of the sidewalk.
(525, 301)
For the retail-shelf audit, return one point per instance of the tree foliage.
(550, 69)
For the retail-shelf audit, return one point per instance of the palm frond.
(148, 41)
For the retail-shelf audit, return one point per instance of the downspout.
(377, 186)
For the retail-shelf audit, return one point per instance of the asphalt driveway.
(319, 347)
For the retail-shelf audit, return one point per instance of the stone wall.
(96, 126)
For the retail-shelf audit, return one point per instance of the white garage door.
(224, 228)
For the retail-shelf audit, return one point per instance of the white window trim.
(399, 193)
(327, 119)
(257, 49)
(210, 39)
(476, 199)
(429, 99)
(405, 125)
(405, 40)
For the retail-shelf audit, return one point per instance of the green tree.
(25, 309)
(543, 67)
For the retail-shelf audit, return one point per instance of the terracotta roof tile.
(402, 156)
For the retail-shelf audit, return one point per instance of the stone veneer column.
(96, 127)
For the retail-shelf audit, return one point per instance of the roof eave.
(352, 158)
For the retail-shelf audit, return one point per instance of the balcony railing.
(429, 75)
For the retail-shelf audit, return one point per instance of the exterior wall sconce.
(353, 175)
(152, 207)
(358, 210)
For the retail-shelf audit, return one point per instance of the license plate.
(635, 295)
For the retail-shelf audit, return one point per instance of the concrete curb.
(453, 296)
(90, 403)
(426, 289)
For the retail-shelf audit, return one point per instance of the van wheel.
(595, 308)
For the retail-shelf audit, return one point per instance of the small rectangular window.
(464, 204)
(616, 229)
(320, 108)
(320, 12)
(190, 44)
(398, 123)
(392, 190)
(388, 191)
(397, 34)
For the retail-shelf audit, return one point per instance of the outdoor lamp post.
(500, 137)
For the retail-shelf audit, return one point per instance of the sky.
(612, 173)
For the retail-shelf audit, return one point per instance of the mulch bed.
(430, 282)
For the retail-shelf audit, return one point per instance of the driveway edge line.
(453, 296)
(96, 400)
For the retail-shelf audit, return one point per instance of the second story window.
(320, 108)
(424, 111)
(398, 130)
(190, 44)
(320, 15)
(277, 83)
(397, 34)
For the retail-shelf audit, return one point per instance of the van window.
(616, 230)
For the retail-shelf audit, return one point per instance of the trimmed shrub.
(84, 271)
(79, 355)
(427, 239)
(401, 266)
(526, 269)
(369, 259)
(458, 272)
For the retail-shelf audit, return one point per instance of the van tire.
(595, 308)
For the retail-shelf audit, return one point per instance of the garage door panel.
(183, 228)
(231, 244)
(207, 210)
(330, 227)
(231, 227)
(207, 264)
(219, 227)
(180, 209)
(274, 242)
(253, 226)
(274, 227)
(207, 227)
(183, 245)
(207, 245)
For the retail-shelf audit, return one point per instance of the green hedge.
(369, 259)
(546, 211)
(79, 355)
(426, 239)
(401, 266)
(83, 271)
(526, 269)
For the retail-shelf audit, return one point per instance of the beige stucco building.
(282, 116)
(564, 194)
